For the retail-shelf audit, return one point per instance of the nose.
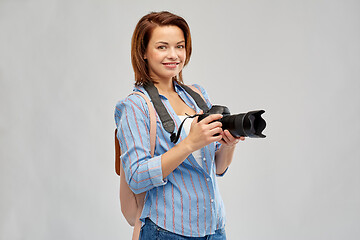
(172, 54)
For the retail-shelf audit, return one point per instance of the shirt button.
(207, 179)
(212, 200)
(204, 158)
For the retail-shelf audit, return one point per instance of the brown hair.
(141, 37)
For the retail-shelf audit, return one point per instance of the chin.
(170, 76)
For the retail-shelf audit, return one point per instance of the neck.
(165, 88)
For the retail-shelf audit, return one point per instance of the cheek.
(183, 56)
(154, 56)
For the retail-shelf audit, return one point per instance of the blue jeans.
(150, 231)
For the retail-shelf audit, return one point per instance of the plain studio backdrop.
(64, 65)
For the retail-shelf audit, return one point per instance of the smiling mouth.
(171, 64)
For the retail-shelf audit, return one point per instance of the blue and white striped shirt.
(187, 201)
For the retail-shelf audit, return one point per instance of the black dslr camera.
(249, 124)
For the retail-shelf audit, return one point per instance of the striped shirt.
(187, 201)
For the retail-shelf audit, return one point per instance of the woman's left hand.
(229, 140)
(224, 155)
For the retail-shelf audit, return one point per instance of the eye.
(181, 46)
(161, 47)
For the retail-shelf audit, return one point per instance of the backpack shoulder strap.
(152, 122)
(152, 133)
(197, 96)
(196, 90)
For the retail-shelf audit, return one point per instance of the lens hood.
(254, 124)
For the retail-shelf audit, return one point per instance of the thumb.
(196, 119)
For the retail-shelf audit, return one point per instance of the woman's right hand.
(202, 133)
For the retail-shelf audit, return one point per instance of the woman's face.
(165, 52)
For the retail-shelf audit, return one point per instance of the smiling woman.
(147, 27)
(165, 53)
(182, 196)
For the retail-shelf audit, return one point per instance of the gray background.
(65, 64)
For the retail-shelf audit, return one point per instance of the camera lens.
(249, 124)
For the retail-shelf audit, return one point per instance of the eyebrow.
(161, 42)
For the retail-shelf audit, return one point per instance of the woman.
(182, 196)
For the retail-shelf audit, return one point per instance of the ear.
(145, 56)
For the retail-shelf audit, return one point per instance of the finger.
(217, 138)
(215, 124)
(195, 121)
(210, 118)
(225, 137)
(242, 138)
(229, 136)
(216, 131)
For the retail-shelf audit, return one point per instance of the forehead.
(167, 34)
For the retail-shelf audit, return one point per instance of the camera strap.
(166, 120)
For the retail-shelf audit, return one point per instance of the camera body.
(249, 124)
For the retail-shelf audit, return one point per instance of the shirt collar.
(178, 88)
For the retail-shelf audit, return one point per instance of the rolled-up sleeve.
(142, 172)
